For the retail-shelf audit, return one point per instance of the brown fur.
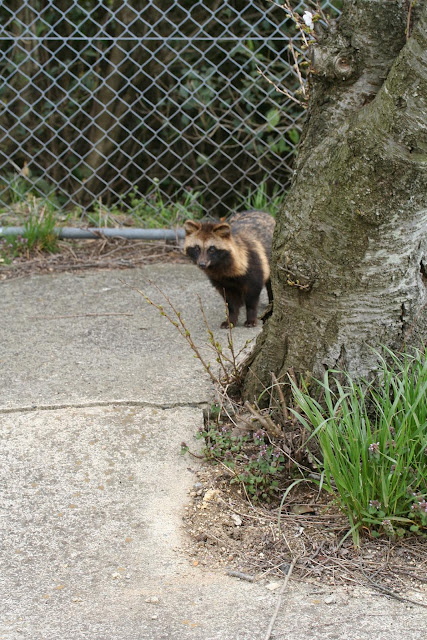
(235, 258)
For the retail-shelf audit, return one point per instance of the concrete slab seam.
(107, 403)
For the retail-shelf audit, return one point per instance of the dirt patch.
(103, 253)
(227, 531)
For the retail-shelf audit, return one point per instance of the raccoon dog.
(235, 257)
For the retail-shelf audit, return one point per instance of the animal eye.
(211, 250)
(196, 249)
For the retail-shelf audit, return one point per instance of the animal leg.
(251, 302)
(234, 303)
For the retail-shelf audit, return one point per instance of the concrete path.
(97, 392)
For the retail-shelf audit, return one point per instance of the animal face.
(208, 244)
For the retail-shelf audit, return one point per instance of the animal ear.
(223, 229)
(191, 226)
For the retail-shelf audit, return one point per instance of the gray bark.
(349, 268)
(107, 112)
(29, 67)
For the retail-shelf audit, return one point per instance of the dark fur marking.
(193, 253)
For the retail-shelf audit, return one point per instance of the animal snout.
(203, 264)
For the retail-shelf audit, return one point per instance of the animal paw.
(226, 324)
(251, 323)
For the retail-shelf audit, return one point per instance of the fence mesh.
(137, 104)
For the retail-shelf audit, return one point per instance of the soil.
(228, 531)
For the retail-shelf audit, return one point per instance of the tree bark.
(108, 111)
(349, 265)
(29, 67)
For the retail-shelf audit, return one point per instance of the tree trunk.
(23, 30)
(349, 266)
(107, 110)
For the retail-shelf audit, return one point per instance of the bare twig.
(79, 315)
(179, 324)
(214, 343)
(279, 599)
(282, 90)
(286, 6)
(230, 342)
(283, 406)
(390, 593)
(297, 69)
(291, 374)
(231, 372)
(239, 574)
(416, 576)
(264, 420)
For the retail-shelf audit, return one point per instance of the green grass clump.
(260, 201)
(373, 439)
(149, 211)
(152, 211)
(38, 235)
(39, 231)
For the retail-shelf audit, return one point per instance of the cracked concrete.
(103, 358)
(97, 393)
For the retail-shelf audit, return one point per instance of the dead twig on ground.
(79, 315)
(389, 592)
(264, 420)
(238, 574)
(279, 599)
(277, 386)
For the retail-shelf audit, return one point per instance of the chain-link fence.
(134, 105)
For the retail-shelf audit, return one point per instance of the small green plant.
(253, 459)
(102, 216)
(38, 235)
(260, 201)
(15, 188)
(373, 439)
(151, 211)
(19, 188)
(11, 247)
(39, 229)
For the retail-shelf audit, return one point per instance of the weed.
(36, 213)
(254, 460)
(11, 247)
(151, 211)
(260, 201)
(373, 439)
(102, 216)
(19, 188)
(40, 229)
(15, 188)
(39, 233)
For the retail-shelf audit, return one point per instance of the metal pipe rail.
(105, 232)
